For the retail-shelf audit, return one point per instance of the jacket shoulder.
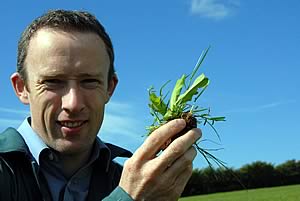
(11, 141)
(17, 180)
(7, 180)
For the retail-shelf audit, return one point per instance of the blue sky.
(253, 65)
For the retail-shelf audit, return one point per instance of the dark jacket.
(20, 179)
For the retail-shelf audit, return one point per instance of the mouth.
(71, 124)
(72, 127)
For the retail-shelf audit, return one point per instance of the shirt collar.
(32, 139)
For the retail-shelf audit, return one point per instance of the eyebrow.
(51, 74)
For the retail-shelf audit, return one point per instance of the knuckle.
(176, 150)
(187, 160)
(189, 156)
(154, 138)
(131, 165)
(128, 165)
(190, 169)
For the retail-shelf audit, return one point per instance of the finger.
(182, 162)
(178, 147)
(182, 179)
(178, 180)
(155, 141)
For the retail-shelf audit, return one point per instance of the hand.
(149, 177)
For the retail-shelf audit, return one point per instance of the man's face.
(67, 88)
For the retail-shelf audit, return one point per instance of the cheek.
(44, 110)
(97, 97)
(46, 104)
(96, 104)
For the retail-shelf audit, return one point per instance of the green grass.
(283, 193)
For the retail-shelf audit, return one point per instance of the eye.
(90, 83)
(53, 83)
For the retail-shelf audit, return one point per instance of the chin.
(70, 148)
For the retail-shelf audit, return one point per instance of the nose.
(72, 100)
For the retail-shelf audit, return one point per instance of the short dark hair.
(65, 20)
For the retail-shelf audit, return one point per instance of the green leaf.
(200, 81)
(161, 88)
(156, 103)
(216, 118)
(176, 92)
(199, 62)
(199, 110)
(169, 115)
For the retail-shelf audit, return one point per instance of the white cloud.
(122, 126)
(11, 117)
(118, 124)
(261, 107)
(118, 107)
(5, 123)
(10, 122)
(14, 111)
(215, 9)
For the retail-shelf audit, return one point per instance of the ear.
(112, 84)
(20, 88)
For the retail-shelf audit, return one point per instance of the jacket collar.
(118, 151)
(11, 141)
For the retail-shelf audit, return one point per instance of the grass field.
(284, 193)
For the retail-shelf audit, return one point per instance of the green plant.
(182, 104)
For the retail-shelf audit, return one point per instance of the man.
(65, 73)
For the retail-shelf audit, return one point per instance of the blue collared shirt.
(61, 189)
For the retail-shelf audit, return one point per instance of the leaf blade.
(156, 103)
(176, 91)
(200, 82)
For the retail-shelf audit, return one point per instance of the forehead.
(56, 51)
